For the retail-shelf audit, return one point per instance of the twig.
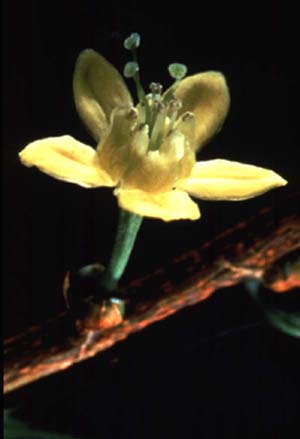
(246, 251)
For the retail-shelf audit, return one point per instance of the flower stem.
(127, 230)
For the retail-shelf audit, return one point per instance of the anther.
(155, 88)
(187, 116)
(174, 105)
(133, 113)
(158, 106)
(143, 127)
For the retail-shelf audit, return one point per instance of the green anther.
(131, 69)
(132, 42)
(177, 71)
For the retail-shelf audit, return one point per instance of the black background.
(212, 371)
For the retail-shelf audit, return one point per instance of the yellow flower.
(148, 152)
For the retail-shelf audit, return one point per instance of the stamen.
(133, 113)
(143, 127)
(188, 116)
(174, 105)
(155, 107)
(155, 88)
(186, 125)
(158, 125)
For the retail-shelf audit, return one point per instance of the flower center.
(160, 114)
(157, 110)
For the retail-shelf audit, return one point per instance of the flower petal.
(66, 159)
(206, 95)
(225, 180)
(98, 88)
(168, 206)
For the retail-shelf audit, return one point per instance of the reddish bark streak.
(189, 279)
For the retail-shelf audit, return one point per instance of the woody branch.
(251, 249)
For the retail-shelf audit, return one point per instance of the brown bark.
(252, 249)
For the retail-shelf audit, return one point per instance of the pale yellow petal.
(206, 95)
(225, 180)
(66, 159)
(98, 88)
(168, 206)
